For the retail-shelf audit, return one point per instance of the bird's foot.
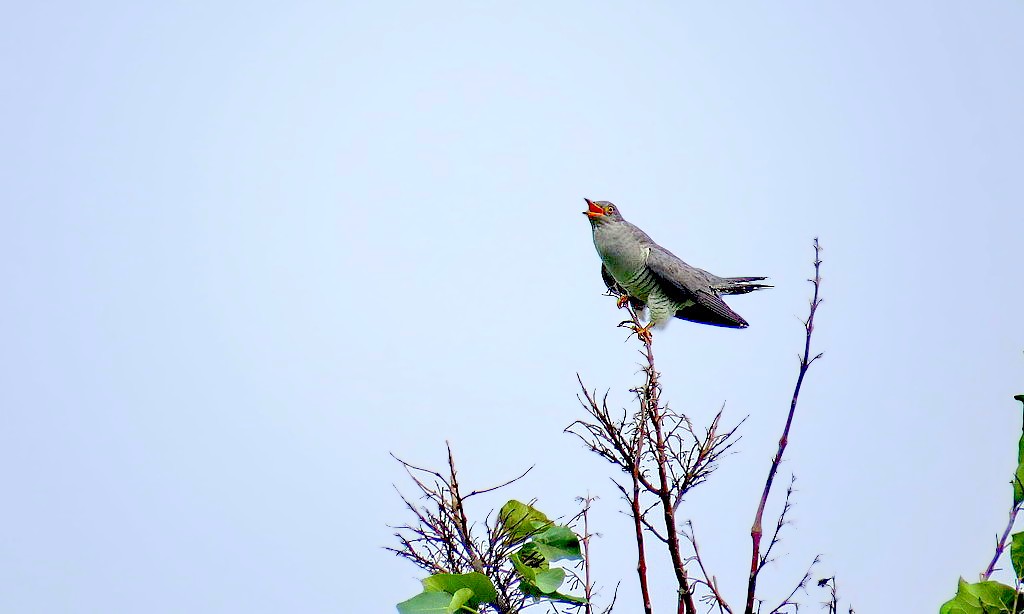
(644, 332)
(623, 299)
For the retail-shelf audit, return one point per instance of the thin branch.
(462, 523)
(1001, 542)
(442, 539)
(649, 397)
(781, 522)
(663, 454)
(805, 362)
(710, 581)
(788, 601)
(588, 586)
(493, 488)
(409, 466)
(650, 527)
(615, 598)
(832, 605)
(638, 519)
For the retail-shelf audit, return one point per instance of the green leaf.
(566, 598)
(557, 543)
(954, 607)
(1018, 477)
(528, 564)
(1017, 554)
(523, 568)
(522, 520)
(548, 580)
(459, 599)
(480, 586)
(438, 602)
(982, 598)
(531, 555)
(427, 603)
(532, 590)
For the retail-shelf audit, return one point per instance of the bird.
(649, 276)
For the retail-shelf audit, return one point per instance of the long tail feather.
(740, 285)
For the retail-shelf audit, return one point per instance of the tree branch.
(756, 563)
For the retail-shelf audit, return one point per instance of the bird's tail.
(740, 285)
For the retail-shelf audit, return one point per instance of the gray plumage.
(633, 265)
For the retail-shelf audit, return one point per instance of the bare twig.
(621, 443)
(710, 581)
(756, 562)
(832, 605)
(651, 411)
(615, 598)
(461, 522)
(638, 516)
(588, 585)
(685, 600)
(1001, 542)
(503, 485)
(442, 539)
(780, 522)
(663, 455)
(788, 601)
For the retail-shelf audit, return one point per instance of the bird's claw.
(621, 302)
(644, 332)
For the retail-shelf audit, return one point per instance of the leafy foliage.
(540, 543)
(522, 520)
(989, 596)
(479, 586)
(1017, 555)
(547, 543)
(438, 602)
(986, 597)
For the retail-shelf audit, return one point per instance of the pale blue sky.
(249, 248)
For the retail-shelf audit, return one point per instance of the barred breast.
(644, 286)
(640, 284)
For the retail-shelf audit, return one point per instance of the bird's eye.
(611, 208)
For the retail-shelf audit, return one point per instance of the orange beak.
(595, 211)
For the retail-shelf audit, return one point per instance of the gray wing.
(686, 284)
(609, 281)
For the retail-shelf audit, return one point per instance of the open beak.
(594, 210)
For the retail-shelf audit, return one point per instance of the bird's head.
(601, 211)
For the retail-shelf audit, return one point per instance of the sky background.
(248, 249)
